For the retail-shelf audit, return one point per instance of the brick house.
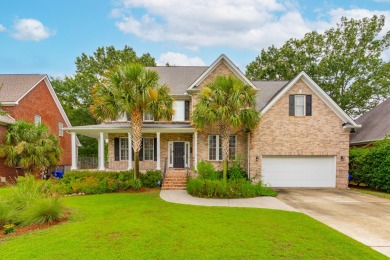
(31, 97)
(302, 139)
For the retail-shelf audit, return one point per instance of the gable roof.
(267, 90)
(375, 124)
(14, 87)
(213, 66)
(178, 78)
(348, 121)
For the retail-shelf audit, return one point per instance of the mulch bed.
(26, 229)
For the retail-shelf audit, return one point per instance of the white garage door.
(303, 171)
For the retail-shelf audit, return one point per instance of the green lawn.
(142, 226)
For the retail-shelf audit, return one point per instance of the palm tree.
(133, 90)
(229, 103)
(30, 147)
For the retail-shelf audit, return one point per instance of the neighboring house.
(302, 139)
(32, 98)
(375, 125)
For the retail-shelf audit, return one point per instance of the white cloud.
(30, 30)
(179, 59)
(2, 28)
(246, 24)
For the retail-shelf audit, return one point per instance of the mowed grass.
(142, 226)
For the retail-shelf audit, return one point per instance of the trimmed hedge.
(372, 166)
(231, 189)
(95, 182)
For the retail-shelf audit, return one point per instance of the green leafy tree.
(30, 147)
(344, 61)
(133, 90)
(230, 104)
(74, 92)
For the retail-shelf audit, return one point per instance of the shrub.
(5, 213)
(150, 178)
(236, 172)
(372, 166)
(206, 170)
(230, 189)
(42, 211)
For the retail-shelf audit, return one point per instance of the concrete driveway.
(363, 217)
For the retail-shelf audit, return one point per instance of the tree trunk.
(136, 127)
(225, 135)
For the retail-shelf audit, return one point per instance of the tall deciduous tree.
(30, 147)
(131, 89)
(74, 92)
(230, 104)
(345, 61)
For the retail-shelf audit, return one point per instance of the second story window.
(37, 119)
(60, 129)
(148, 116)
(178, 106)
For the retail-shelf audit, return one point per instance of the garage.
(299, 171)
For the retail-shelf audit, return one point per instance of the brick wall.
(316, 135)
(40, 102)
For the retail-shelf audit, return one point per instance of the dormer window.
(148, 116)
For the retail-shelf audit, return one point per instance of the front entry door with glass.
(178, 156)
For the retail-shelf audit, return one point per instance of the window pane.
(299, 105)
(148, 116)
(124, 149)
(220, 149)
(232, 146)
(178, 106)
(148, 148)
(212, 147)
(37, 119)
(60, 129)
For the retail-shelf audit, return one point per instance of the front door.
(178, 155)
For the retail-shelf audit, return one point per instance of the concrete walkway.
(182, 197)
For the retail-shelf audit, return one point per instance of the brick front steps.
(175, 179)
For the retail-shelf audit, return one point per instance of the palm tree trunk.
(136, 127)
(225, 134)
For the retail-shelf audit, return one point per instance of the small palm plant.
(229, 103)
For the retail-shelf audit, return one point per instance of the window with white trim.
(299, 105)
(148, 116)
(215, 147)
(37, 119)
(122, 117)
(60, 129)
(148, 149)
(179, 108)
(124, 148)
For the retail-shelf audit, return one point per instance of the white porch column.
(74, 151)
(101, 152)
(195, 151)
(158, 152)
(130, 153)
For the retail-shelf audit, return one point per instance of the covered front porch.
(164, 145)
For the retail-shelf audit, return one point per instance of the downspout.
(249, 163)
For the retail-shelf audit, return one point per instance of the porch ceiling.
(149, 127)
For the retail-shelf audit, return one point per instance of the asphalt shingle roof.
(179, 78)
(375, 124)
(267, 90)
(14, 86)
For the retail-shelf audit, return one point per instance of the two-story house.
(31, 97)
(302, 139)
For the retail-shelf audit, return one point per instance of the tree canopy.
(133, 90)
(230, 104)
(74, 91)
(344, 61)
(30, 147)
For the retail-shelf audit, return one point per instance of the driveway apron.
(363, 217)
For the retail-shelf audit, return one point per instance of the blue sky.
(43, 36)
